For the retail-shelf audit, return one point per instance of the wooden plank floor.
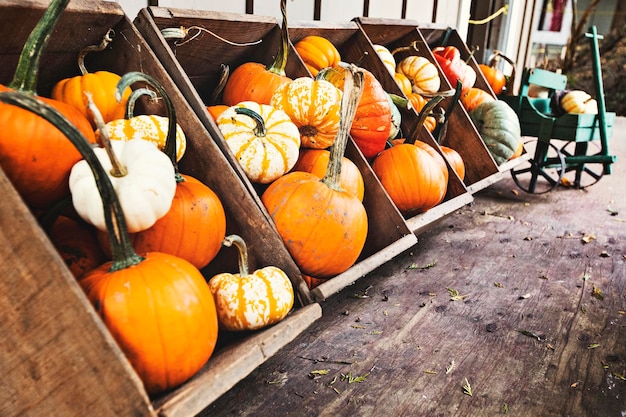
(538, 329)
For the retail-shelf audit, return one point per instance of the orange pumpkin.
(39, 163)
(372, 123)
(494, 77)
(413, 178)
(317, 52)
(100, 85)
(474, 97)
(315, 161)
(216, 109)
(455, 160)
(403, 82)
(253, 81)
(193, 228)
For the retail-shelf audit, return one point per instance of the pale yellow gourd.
(579, 102)
(423, 74)
(385, 55)
(152, 128)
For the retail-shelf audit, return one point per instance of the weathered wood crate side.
(56, 355)
(355, 47)
(437, 35)
(195, 66)
(462, 136)
(53, 366)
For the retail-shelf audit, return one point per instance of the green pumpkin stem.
(132, 99)
(124, 254)
(216, 96)
(352, 92)
(443, 127)
(129, 79)
(260, 130)
(108, 37)
(240, 244)
(25, 77)
(419, 123)
(278, 66)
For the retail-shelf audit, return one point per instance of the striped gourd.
(313, 105)
(385, 55)
(422, 73)
(263, 139)
(152, 128)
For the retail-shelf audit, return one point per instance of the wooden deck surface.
(538, 327)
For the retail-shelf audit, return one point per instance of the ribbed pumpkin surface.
(252, 301)
(152, 128)
(313, 105)
(413, 179)
(264, 158)
(323, 229)
(35, 155)
(162, 315)
(422, 73)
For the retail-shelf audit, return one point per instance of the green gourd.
(499, 128)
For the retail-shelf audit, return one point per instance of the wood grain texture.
(524, 267)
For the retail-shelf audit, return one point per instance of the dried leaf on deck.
(597, 293)
(587, 238)
(467, 388)
(425, 266)
(455, 295)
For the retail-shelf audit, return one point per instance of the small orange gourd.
(253, 81)
(100, 85)
(317, 53)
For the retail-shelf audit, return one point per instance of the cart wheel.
(544, 172)
(581, 175)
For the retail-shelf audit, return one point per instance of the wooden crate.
(481, 169)
(195, 67)
(355, 46)
(57, 354)
(436, 35)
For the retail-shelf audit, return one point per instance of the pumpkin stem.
(224, 74)
(412, 47)
(240, 244)
(443, 127)
(260, 130)
(132, 99)
(170, 141)
(117, 168)
(108, 37)
(124, 254)
(25, 77)
(352, 92)
(278, 66)
(426, 111)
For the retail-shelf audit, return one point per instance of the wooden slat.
(228, 367)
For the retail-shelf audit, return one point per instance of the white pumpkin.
(145, 192)
(385, 55)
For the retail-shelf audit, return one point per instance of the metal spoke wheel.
(542, 173)
(581, 174)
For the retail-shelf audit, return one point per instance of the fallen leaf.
(587, 238)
